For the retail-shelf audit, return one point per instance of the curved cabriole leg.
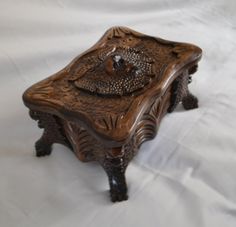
(53, 133)
(176, 93)
(115, 166)
(117, 181)
(189, 101)
(180, 92)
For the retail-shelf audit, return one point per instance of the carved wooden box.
(111, 99)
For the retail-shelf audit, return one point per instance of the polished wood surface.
(111, 99)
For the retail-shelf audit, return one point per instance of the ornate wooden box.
(111, 99)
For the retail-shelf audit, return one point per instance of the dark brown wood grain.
(111, 99)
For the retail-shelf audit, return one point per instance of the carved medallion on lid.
(121, 63)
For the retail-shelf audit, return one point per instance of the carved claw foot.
(42, 148)
(190, 102)
(118, 189)
(115, 168)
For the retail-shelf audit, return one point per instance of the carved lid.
(110, 86)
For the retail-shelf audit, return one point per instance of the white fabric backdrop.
(186, 176)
